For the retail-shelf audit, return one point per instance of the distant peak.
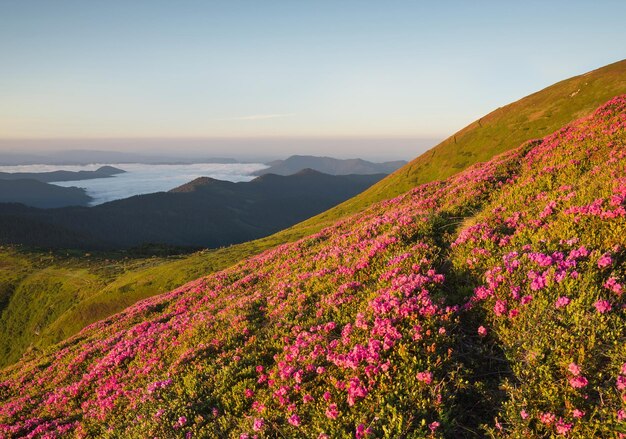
(109, 170)
(309, 171)
(196, 184)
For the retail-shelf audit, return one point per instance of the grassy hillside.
(488, 304)
(501, 130)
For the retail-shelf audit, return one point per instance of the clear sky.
(351, 73)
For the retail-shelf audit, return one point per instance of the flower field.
(487, 304)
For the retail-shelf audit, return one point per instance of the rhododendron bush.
(490, 303)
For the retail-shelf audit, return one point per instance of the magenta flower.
(604, 261)
(612, 284)
(547, 418)
(524, 414)
(500, 307)
(362, 431)
(574, 369)
(562, 302)
(578, 382)
(425, 377)
(603, 306)
(621, 382)
(294, 420)
(562, 427)
(332, 412)
(258, 424)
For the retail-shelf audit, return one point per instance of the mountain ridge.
(53, 176)
(329, 165)
(203, 213)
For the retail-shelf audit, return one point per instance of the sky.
(373, 79)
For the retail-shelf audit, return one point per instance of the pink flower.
(526, 299)
(425, 377)
(326, 396)
(434, 425)
(578, 413)
(500, 307)
(362, 431)
(574, 369)
(307, 398)
(603, 306)
(612, 284)
(482, 331)
(524, 414)
(621, 414)
(547, 418)
(258, 424)
(562, 427)
(182, 421)
(578, 382)
(249, 393)
(623, 369)
(562, 302)
(621, 382)
(604, 261)
(332, 412)
(294, 420)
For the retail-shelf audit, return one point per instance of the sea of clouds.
(144, 179)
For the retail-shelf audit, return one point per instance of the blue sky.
(405, 70)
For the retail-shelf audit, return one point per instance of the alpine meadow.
(260, 220)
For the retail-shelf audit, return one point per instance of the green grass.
(45, 299)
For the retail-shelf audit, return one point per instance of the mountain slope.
(417, 317)
(39, 194)
(203, 213)
(159, 275)
(501, 130)
(330, 166)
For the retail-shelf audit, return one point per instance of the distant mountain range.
(203, 213)
(48, 177)
(85, 157)
(329, 165)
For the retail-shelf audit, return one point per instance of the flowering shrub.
(384, 325)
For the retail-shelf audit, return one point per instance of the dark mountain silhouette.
(202, 213)
(47, 177)
(329, 165)
(39, 194)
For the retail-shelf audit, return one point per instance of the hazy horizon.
(271, 79)
(245, 149)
